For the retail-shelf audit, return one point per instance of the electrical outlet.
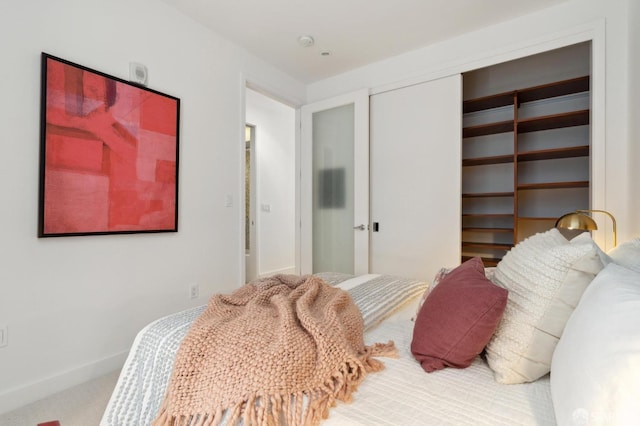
(4, 335)
(194, 291)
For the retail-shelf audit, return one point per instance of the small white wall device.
(138, 73)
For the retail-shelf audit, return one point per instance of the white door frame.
(251, 253)
(360, 99)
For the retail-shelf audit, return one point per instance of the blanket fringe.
(268, 410)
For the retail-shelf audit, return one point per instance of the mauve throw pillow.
(458, 318)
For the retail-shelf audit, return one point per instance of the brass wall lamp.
(580, 220)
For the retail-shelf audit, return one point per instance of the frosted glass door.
(333, 190)
(334, 185)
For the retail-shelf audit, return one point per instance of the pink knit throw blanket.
(280, 350)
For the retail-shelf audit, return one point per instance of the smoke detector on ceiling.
(305, 41)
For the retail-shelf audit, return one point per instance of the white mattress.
(402, 394)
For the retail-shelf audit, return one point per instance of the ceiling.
(354, 32)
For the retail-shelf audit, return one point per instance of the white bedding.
(403, 394)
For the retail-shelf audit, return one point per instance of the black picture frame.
(109, 154)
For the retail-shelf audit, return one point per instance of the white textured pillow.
(333, 278)
(545, 276)
(627, 254)
(585, 237)
(378, 296)
(595, 373)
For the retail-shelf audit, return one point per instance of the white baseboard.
(31, 392)
(289, 270)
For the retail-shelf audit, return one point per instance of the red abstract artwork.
(109, 154)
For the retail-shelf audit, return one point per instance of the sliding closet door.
(415, 178)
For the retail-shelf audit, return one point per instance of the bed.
(405, 394)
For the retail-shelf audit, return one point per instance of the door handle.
(360, 227)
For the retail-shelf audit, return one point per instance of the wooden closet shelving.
(555, 121)
(488, 195)
(488, 129)
(491, 230)
(487, 261)
(549, 154)
(495, 159)
(553, 185)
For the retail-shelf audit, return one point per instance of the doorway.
(270, 186)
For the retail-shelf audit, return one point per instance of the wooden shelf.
(553, 185)
(536, 93)
(488, 102)
(545, 154)
(488, 215)
(483, 161)
(554, 121)
(490, 230)
(550, 154)
(488, 129)
(492, 225)
(487, 261)
(552, 90)
(487, 195)
(495, 246)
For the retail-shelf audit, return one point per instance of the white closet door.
(415, 178)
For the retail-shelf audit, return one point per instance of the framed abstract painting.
(108, 154)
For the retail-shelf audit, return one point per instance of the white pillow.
(595, 372)
(333, 278)
(545, 276)
(378, 296)
(585, 237)
(627, 254)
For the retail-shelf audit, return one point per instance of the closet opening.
(526, 148)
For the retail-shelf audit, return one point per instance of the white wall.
(520, 37)
(634, 123)
(74, 304)
(275, 167)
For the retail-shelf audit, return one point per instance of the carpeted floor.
(81, 405)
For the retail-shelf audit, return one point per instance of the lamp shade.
(576, 221)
